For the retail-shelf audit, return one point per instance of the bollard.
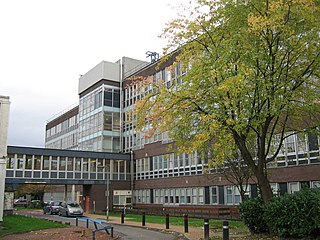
(122, 217)
(87, 222)
(167, 221)
(143, 218)
(206, 229)
(93, 235)
(77, 221)
(111, 232)
(185, 221)
(225, 230)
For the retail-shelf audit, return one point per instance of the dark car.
(21, 203)
(70, 209)
(52, 207)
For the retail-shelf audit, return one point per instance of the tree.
(252, 77)
(236, 172)
(36, 190)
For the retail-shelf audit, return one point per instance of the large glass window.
(37, 162)
(10, 161)
(62, 164)
(313, 142)
(45, 163)
(85, 165)
(93, 164)
(98, 100)
(290, 143)
(28, 164)
(78, 164)
(70, 164)
(54, 163)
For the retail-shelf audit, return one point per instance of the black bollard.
(93, 235)
(167, 221)
(206, 229)
(87, 222)
(122, 217)
(111, 232)
(225, 230)
(143, 218)
(77, 221)
(185, 221)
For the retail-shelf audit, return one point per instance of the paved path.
(127, 231)
(178, 231)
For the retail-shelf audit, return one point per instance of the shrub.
(252, 213)
(294, 215)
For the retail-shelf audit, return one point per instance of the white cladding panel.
(4, 124)
(104, 70)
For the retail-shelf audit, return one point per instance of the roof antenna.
(153, 55)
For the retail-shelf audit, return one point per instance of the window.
(275, 190)
(28, 164)
(70, 164)
(290, 143)
(10, 161)
(313, 142)
(316, 184)
(188, 195)
(108, 98)
(98, 100)
(54, 163)
(194, 195)
(78, 164)
(37, 162)
(229, 194)
(45, 163)
(85, 165)
(62, 164)
(294, 187)
(214, 195)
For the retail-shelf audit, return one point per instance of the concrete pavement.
(177, 231)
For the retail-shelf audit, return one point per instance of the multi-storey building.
(103, 121)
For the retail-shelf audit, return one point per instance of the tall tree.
(252, 73)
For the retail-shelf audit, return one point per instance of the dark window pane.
(313, 142)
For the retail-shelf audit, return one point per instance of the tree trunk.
(264, 185)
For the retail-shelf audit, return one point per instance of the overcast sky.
(46, 44)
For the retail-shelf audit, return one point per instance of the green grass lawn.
(19, 224)
(192, 222)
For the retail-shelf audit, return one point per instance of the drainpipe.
(132, 176)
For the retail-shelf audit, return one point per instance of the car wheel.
(59, 213)
(44, 212)
(50, 212)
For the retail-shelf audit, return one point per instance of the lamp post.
(107, 193)
(107, 189)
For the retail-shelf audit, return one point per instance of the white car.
(70, 209)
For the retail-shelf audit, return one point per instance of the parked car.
(52, 207)
(70, 209)
(21, 203)
(36, 204)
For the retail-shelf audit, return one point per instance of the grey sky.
(46, 44)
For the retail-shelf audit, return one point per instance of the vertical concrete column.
(65, 193)
(2, 185)
(73, 193)
(4, 124)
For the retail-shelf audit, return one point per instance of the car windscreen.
(73, 204)
(55, 204)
